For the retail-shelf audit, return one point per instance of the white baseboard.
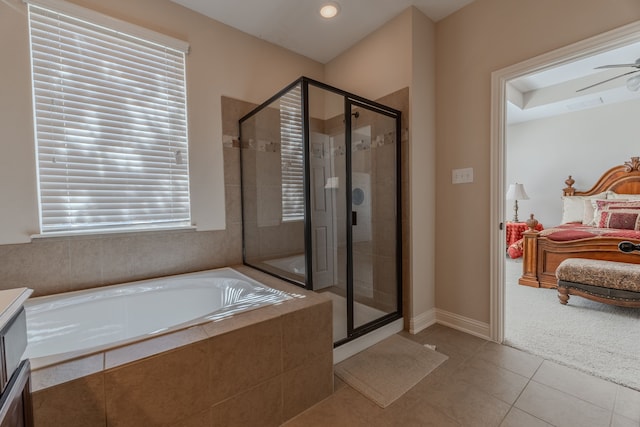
(422, 321)
(464, 324)
(357, 345)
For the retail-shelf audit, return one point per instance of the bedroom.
(588, 136)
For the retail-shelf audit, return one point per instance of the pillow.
(620, 215)
(615, 196)
(573, 207)
(589, 214)
(515, 249)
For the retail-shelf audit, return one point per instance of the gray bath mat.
(388, 369)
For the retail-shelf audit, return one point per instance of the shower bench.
(609, 282)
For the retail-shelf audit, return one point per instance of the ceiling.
(297, 25)
(554, 91)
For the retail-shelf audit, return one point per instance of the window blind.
(291, 148)
(111, 127)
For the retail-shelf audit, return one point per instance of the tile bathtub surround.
(211, 373)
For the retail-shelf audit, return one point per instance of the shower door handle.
(354, 218)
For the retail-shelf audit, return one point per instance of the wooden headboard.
(623, 179)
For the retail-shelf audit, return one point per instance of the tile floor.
(485, 384)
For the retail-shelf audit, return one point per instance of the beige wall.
(483, 37)
(222, 61)
(401, 54)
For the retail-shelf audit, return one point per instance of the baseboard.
(422, 321)
(464, 324)
(350, 348)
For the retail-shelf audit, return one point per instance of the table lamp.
(516, 192)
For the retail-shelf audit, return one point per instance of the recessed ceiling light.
(329, 10)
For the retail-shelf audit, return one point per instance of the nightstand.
(515, 230)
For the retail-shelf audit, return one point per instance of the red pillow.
(515, 249)
(620, 215)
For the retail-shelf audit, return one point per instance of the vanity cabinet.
(15, 372)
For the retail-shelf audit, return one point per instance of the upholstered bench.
(616, 283)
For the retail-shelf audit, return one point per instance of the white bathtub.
(95, 318)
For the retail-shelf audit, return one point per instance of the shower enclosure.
(321, 200)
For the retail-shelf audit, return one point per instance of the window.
(110, 122)
(292, 155)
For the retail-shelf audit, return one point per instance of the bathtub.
(246, 334)
(85, 320)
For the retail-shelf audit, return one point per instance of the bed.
(594, 222)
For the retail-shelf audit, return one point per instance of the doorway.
(614, 39)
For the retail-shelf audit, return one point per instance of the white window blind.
(111, 127)
(291, 141)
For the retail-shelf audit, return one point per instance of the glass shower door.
(373, 207)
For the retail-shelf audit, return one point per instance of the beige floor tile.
(619, 421)
(475, 387)
(449, 341)
(560, 409)
(506, 357)
(497, 381)
(583, 386)
(518, 418)
(466, 403)
(421, 414)
(628, 403)
(346, 407)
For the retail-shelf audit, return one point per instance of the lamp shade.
(516, 192)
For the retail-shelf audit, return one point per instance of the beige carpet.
(388, 369)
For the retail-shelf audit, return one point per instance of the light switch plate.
(462, 176)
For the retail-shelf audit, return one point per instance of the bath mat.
(388, 369)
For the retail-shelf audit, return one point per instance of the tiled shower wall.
(61, 264)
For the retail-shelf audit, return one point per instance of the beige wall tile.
(231, 165)
(244, 358)
(306, 334)
(153, 346)
(66, 371)
(259, 406)
(77, 403)
(85, 263)
(307, 384)
(202, 419)
(49, 269)
(159, 390)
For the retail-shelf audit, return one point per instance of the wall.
(401, 54)
(582, 144)
(485, 36)
(222, 61)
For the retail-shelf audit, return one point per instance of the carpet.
(600, 339)
(388, 369)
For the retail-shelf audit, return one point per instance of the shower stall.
(321, 200)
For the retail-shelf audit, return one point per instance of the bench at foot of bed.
(609, 282)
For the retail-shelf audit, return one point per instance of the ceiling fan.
(633, 83)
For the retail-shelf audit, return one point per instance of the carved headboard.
(623, 179)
